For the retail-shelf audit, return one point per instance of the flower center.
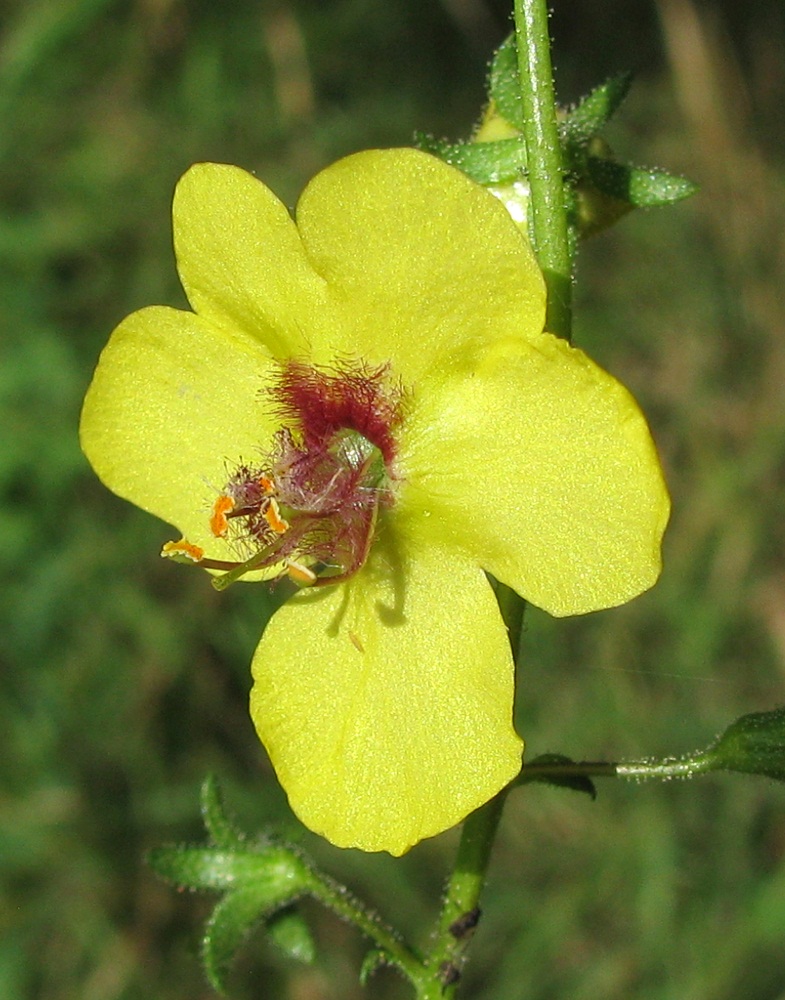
(312, 505)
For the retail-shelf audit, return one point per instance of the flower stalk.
(460, 911)
(548, 217)
(550, 239)
(337, 898)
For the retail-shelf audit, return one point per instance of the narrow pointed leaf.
(596, 109)
(504, 85)
(203, 868)
(484, 162)
(643, 188)
(275, 869)
(232, 921)
(220, 828)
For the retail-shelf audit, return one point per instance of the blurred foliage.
(125, 679)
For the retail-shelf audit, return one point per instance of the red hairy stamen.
(323, 402)
(312, 507)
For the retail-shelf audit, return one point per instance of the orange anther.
(272, 515)
(183, 548)
(300, 574)
(219, 523)
(267, 485)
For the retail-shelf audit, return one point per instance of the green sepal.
(638, 186)
(290, 933)
(277, 870)
(753, 744)
(485, 162)
(231, 922)
(595, 110)
(259, 878)
(374, 960)
(547, 770)
(222, 831)
(604, 189)
(504, 85)
(579, 125)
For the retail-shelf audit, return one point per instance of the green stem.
(460, 910)
(636, 770)
(665, 769)
(337, 898)
(548, 215)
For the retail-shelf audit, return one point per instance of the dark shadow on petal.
(388, 559)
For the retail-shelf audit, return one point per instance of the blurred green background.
(124, 679)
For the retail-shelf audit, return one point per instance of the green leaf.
(753, 744)
(596, 109)
(643, 188)
(485, 162)
(222, 831)
(554, 769)
(231, 922)
(288, 930)
(504, 84)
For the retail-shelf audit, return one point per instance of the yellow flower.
(364, 400)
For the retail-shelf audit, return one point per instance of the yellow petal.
(385, 703)
(240, 258)
(173, 405)
(419, 260)
(541, 465)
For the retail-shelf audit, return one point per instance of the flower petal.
(540, 464)
(385, 703)
(419, 260)
(173, 404)
(240, 258)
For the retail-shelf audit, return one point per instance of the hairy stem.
(460, 910)
(337, 898)
(548, 227)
